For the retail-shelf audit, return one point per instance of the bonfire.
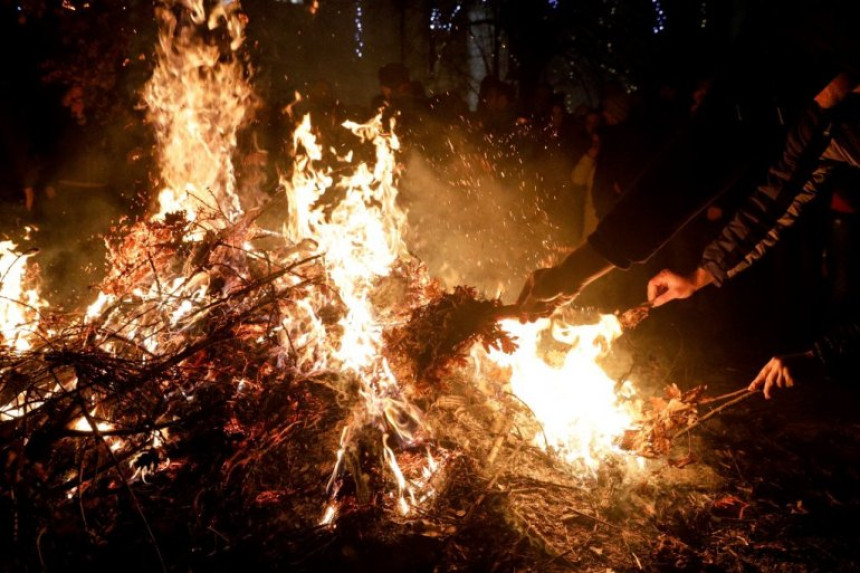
(237, 389)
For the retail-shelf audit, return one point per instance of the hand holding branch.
(668, 285)
(783, 372)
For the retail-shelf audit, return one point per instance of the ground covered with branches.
(214, 454)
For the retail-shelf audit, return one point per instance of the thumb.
(667, 295)
(655, 287)
(658, 285)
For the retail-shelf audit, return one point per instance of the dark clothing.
(707, 155)
(824, 145)
(838, 349)
(783, 59)
(785, 56)
(792, 182)
(630, 147)
(626, 150)
(841, 264)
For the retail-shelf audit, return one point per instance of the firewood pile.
(205, 414)
(181, 427)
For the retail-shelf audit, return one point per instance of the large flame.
(361, 240)
(20, 317)
(197, 99)
(581, 411)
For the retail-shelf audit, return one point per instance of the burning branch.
(440, 334)
(667, 419)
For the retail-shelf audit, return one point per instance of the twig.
(577, 513)
(723, 397)
(154, 272)
(740, 398)
(135, 502)
(548, 546)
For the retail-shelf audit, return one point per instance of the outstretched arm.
(548, 288)
(791, 183)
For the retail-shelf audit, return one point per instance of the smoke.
(481, 224)
(70, 235)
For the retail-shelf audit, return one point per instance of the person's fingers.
(531, 309)
(531, 313)
(758, 381)
(766, 389)
(770, 379)
(779, 379)
(667, 296)
(525, 316)
(775, 374)
(533, 289)
(656, 286)
(666, 286)
(789, 380)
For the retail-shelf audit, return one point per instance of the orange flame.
(197, 99)
(361, 240)
(20, 300)
(573, 398)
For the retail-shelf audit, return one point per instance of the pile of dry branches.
(183, 427)
(162, 392)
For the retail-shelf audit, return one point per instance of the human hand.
(548, 288)
(542, 293)
(668, 285)
(783, 372)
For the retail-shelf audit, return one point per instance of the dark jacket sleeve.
(696, 164)
(792, 182)
(839, 349)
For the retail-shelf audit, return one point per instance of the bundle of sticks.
(439, 334)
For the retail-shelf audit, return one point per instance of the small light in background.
(359, 29)
(438, 22)
(660, 24)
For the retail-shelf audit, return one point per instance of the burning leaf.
(631, 318)
(662, 420)
(731, 506)
(439, 335)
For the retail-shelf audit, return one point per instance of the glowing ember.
(83, 424)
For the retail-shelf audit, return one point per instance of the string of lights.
(439, 23)
(660, 23)
(359, 29)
